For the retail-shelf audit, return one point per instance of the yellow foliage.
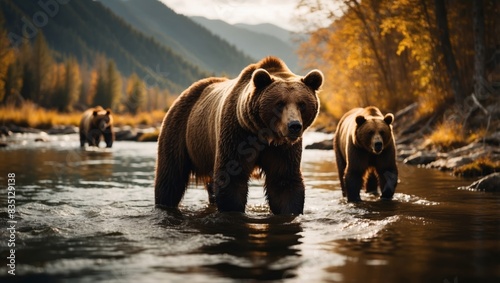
(447, 135)
(30, 115)
(143, 118)
(377, 53)
(480, 167)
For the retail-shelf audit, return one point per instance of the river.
(89, 216)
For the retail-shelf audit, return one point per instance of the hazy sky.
(278, 12)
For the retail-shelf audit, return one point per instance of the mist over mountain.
(258, 41)
(147, 38)
(185, 37)
(85, 29)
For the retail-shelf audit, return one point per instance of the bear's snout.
(294, 128)
(378, 146)
(102, 126)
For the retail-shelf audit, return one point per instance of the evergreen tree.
(41, 66)
(108, 86)
(100, 92)
(72, 83)
(67, 89)
(6, 58)
(136, 94)
(114, 86)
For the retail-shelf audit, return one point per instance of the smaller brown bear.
(96, 122)
(365, 151)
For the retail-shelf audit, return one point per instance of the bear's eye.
(280, 105)
(371, 133)
(382, 134)
(302, 106)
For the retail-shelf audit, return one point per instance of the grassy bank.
(32, 116)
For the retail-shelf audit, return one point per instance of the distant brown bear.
(221, 130)
(96, 122)
(365, 151)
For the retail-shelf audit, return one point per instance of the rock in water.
(490, 183)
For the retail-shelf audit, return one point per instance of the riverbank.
(31, 118)
(441, 143)
(422, 143)
(13, 133)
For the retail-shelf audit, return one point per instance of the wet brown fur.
(220, 131)
(359, 164)
(90, 131)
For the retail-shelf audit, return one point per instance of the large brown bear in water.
(96, 122)
(365, 151)
(221, 130)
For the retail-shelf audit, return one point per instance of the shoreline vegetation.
(440, 145)
(29, 115)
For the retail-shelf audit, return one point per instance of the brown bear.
(96, 122)
(365, 151)
(220, 130)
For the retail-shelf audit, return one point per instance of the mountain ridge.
(85, 29)
(256, 44)
(184, 36)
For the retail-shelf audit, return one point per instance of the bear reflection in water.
(220, 130)
(365, 148)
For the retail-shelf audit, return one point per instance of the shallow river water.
(89, 216)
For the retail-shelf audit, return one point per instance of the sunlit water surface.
(89, 216)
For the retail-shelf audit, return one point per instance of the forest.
(440, 57)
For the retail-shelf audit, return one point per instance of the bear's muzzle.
(294, 129)
(377, 144)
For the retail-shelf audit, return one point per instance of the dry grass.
(32, 116)
(144, 118)
(446, 136)
(150, 137)
(481, 167)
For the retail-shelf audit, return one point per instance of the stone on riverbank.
(324, 145)
(421, 158)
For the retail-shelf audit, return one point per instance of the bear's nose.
(294, 127)
(378, 146)
(102, 126)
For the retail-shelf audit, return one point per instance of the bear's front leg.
(108, 137)
(93, 137)
(83, 138)
(353, 180)
(284, 185)
(231, 185)
(387, 171)
(388, 178)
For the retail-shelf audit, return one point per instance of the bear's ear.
(360, 120)
(108, 111)
(95, 112)
(261, 78)
(313, 79)
(389, 118)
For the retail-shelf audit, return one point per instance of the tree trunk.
(447, 51)
(478, 27)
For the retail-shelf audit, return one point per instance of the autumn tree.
(393, 53)
(479, 49)
(446, 50)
